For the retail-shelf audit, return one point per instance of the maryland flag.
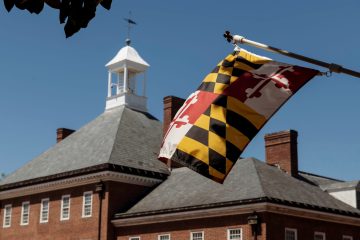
(234, 101)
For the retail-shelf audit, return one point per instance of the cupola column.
(125, 79)
(109, 84)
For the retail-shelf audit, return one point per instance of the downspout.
(99, 188)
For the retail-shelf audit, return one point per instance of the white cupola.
(127, 80)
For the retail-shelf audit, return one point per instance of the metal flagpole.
(331, 66)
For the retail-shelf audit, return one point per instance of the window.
(290, 234)
(44, 211)
(65, 207)
(234, 234)
(197, 236)
(25, 212)
(164, 237)
(319, 236)
(7, 216)
(347, 237)
(134, 238)
(87, 204)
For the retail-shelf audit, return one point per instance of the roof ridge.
(317, 175)
(253, 160)
(116, 134)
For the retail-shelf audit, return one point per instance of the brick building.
(104, 182)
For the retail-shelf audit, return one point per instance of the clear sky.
(48, 81)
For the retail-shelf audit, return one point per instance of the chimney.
(281, 151)
(171, 105)
(62, 133)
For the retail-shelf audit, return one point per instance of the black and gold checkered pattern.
(218, 137)
(230, 69)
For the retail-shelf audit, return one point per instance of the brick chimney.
(171, 105)
(281, 151)
(62, 133)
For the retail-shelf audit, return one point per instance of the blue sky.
(48, 81)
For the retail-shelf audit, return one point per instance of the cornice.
(79, 181)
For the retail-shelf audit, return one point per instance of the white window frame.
(291, 230)
(321, 234)
(232, 229)
(42, 210)
(7, 212)
(22, 219)
(91, 203)
(347, 237)
(134, 238)
(164, 235)
(192, 235)
(62, 218)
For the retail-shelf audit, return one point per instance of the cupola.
(127, 80)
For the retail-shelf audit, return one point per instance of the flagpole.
(331, 66)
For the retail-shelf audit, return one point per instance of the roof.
(112, 138)
(129, 56)
(250, 179)
(340, 186)
(318, 180)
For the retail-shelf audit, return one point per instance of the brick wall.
(117, 196)
(54, 228)
(272, 228)
(277, 223)
(213, 228)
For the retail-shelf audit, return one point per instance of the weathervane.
(130, 22)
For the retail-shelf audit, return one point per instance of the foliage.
(2, 176)
(76, 13)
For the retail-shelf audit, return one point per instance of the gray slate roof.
(249, 179)
(318, 180)
(119, 136)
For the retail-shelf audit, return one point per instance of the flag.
(232, 104)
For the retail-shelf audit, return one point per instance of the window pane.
(164, 237)
(235, 234)
(25, 213)
(44, 214)
(7, 216)
(197, 236)
(290, 234)
(319, 236)
(134, 238)
(65, 208)
(87, 204)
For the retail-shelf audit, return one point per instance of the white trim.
(163, 235)
(232, 229)
(294, 230)
(83, 204)
(5, 213)
(192, 236)
(321, 234)
(22, 223)
(42, 210)
(134, 238)
(62, 218)
(79, 181)
(347, 237)
(236, 210)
